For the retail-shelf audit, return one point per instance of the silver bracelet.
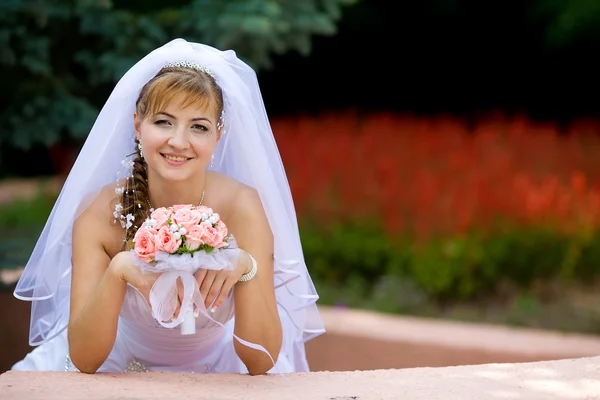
(252, 273)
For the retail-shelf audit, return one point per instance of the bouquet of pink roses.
(180, 229)
(176, 241)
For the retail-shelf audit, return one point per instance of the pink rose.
(186, 218)
(203, 209)
(212, 236)
(194, 237)
(221, 234)
(161, 215)
(144, 244)
(178, 207)
(165, 240)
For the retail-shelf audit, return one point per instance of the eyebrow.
(193, 119)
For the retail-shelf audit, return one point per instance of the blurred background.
(443, 155)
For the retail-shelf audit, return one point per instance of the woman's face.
(178, 143)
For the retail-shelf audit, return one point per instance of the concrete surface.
(366, 340)
(545, 380)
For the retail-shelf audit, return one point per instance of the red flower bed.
(438, 176)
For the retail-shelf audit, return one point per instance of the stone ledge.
(576, 379)
(367, 340)
(457, 334)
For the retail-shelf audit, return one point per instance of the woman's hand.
(130, 273)
(216, 285)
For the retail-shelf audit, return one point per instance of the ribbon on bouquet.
(164, 299)
(164, 293)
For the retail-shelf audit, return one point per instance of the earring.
(212, 159)
(140, 148)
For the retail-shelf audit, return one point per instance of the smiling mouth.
(175, 158)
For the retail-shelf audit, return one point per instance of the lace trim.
(133, 366)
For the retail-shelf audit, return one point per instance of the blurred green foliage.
(60, 58)
(457, 268)
(21, 223)
(569, 21)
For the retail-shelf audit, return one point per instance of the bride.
(185, 125)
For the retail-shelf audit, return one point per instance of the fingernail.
(212, 310)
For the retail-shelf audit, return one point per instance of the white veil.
(247, 152)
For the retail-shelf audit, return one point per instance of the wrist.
(250, 272)
(118, 266)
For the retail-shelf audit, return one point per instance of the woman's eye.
(162, 122)
(200, 128)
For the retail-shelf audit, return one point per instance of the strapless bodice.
(152, 344)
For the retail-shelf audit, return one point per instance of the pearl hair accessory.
(189, 64)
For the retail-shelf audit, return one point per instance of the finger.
(200, 275)
(145, 284)
(179, 289)
(177, 309)
(225, 290)
(214, 291)
(179, 284)
(207, 282)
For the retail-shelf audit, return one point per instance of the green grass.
(21, 223)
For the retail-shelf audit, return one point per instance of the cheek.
(152, 138)
(204, 147)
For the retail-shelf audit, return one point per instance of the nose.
(179, 139)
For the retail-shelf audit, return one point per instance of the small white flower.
(128, 225)
(116, 215)
(212, 220)
(174, 227)
(216, 216)
(177, 235)
(204, 216)
(182, 231)
(130, 217)
(127, 163)
(122, 224)
(119, 207)
(119, 190)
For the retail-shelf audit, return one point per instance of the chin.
(172, 174)
(175, 177)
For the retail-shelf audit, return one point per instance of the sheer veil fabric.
(247, 152)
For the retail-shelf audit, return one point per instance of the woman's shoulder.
(107, 198)
(244, 210)
(99, 208)
(237, 195)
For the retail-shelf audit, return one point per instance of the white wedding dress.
(144, 345)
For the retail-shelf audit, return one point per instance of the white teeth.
(175, 158)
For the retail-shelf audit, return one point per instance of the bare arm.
(256, 316)
(97, 292)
